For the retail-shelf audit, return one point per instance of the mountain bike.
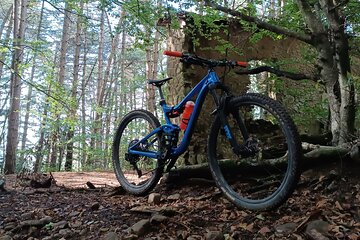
(253, 148)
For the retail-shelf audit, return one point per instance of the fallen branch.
(315, 155)
(33, 223)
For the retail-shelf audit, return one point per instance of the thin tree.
(95, 142)
(6, 19)
(74, 104)
(15, 86)
(6, 39)
(30, 89)
(61, 78)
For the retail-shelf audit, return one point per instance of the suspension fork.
(222, 110)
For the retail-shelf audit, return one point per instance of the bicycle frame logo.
(211, 80)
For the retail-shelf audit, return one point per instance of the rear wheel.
(265, 171)
(137, 174)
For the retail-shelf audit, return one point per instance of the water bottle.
(189, 107)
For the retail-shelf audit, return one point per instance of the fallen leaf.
(250, 227)
(353, 236)
(321, 203)
(264, 230)
(243, 225)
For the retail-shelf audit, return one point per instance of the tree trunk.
(4, 21)
(61, 78)
(150, 75)
(15, 87)
(6, 40)
(83, 106)
(96, 141)
(342, 57)
(41, 142)
(122, 103)
(119, 108)
(29, 95)
(74, 105)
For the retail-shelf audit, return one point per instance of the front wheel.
(264, 170)
(137, 174)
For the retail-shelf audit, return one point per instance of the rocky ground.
(326, 205)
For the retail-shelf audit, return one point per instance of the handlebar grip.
(242, 64)
(173, 53)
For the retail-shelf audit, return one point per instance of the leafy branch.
(260, 23)
(58, 99)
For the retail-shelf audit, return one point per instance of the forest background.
(69, 70)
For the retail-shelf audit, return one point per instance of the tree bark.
(83, 106)
(152, 58)
(122, 103)
(6, 41)
(15, 87)
(61, 77)
(74, 106)
(96, 140)
(29, 94)
(6, 18)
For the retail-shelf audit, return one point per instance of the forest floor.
(325, 205)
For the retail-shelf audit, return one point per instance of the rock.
(158, 218)
(65, 232)
(60, 225)
(174, 197)
(314, 234)
(74, 214)
(111, 236)
(104, 229)
(26, 216)
(320, 226)
(141, 227)
(32, 230)
(154, 198)
(214, 235)
(95, 206)
(130, 237)
(286, 228)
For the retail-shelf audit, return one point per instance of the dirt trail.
(325, 205)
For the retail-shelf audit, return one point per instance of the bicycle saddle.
(158, 83)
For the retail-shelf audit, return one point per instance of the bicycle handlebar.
(193, 59)
(173, 53)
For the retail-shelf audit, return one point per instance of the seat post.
(162, 99)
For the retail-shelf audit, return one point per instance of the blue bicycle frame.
(201, 89)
